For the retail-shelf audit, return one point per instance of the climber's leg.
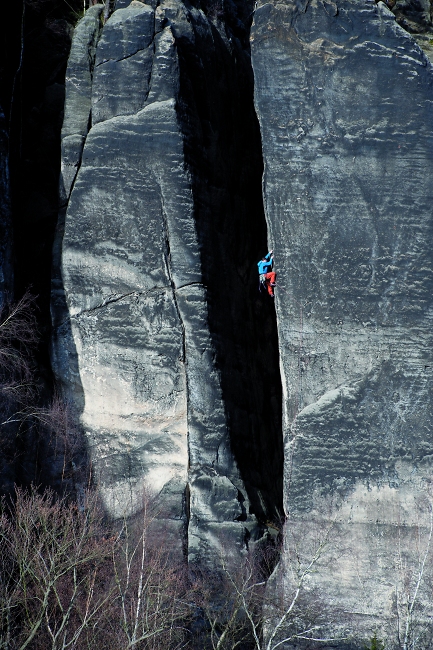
(270, 282)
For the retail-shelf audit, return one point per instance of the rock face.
(136, 346)
(416, 17)
(344, 99)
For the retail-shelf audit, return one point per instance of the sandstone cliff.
(166, 351)
(344, 99)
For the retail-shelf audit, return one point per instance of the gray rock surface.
(344, 99)
(124, 60)
(78, 95)
(134, 346)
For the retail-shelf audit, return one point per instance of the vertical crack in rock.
(187, 494)
(172, 284)
(76, 124)
(77, 118)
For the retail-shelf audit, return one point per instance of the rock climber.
(267, 275)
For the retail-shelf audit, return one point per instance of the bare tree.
(291, 616)
(21, 412)
(18, 338)
(64, 440)
(414, 578)
(230, 600)
(51, 556)
(68, 580)
(152, 595)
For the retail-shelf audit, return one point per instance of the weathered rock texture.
(344, 99)
(153, 270)
(416, 16)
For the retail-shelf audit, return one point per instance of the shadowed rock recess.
(6, 274)
(344, 99)
(162, 343)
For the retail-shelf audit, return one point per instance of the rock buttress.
(344, 99)
(133, 347)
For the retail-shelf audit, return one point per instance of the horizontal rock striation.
(136, 345)
(344, 99)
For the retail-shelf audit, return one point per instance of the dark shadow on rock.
(223, 153)
(35, 45)
(64, 362)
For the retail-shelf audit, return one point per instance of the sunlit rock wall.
(344, 99)
(132, 347)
